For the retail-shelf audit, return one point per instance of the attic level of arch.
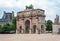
(30, 14)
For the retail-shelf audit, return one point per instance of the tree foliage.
(1, 28)
(49, 25)
(8, 27)
(14, 23)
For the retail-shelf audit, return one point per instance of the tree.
(14, 24)
(1, 28)
(6, 28)
(49, 25)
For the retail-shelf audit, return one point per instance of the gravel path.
(29, 37)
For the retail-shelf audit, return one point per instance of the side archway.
(42, 28)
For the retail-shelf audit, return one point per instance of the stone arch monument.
(30, 21)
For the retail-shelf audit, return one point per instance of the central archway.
(27, 26)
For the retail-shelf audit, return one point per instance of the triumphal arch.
(30, 21)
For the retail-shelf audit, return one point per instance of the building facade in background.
(30, 21)
(56, 21)
(7, 17)
(56, 25)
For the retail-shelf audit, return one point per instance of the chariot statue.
(29, 7)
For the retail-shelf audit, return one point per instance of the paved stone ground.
(29, 37)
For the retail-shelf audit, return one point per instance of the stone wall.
(56, 28)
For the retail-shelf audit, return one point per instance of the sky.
(51, 7)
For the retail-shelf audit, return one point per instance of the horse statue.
(29, 7)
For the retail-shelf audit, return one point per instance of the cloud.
(48, 5)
